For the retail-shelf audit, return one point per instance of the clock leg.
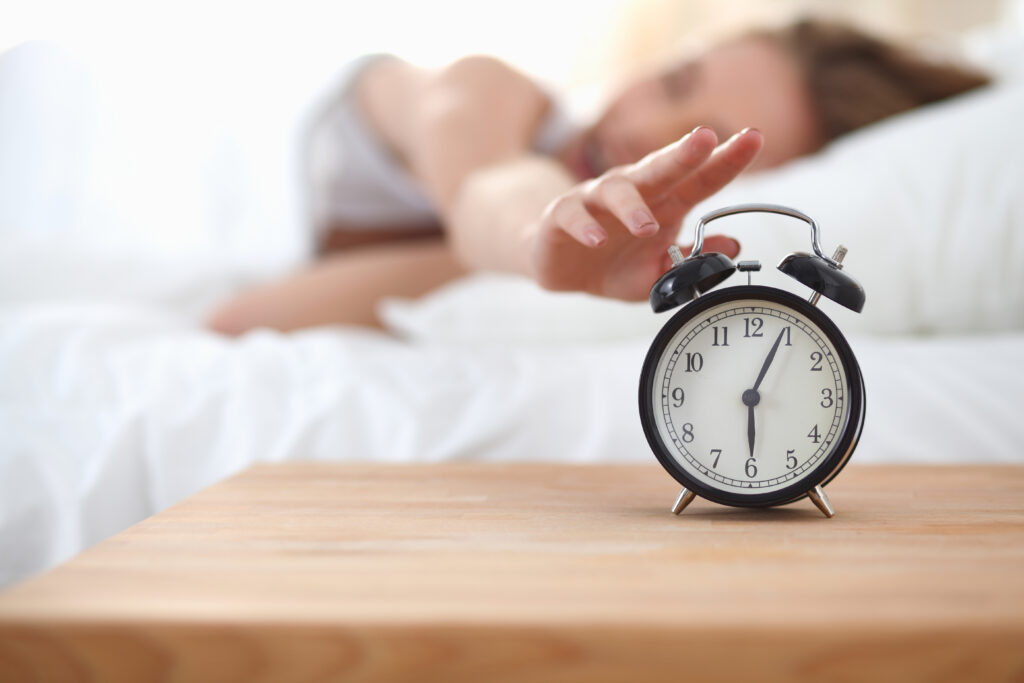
(685, 498)
(820, 499)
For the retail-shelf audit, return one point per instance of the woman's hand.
(609, 236)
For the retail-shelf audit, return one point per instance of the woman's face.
(748, 82)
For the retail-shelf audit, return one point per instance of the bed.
(115, 403)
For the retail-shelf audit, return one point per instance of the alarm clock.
(750, 395)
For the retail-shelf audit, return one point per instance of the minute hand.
(768, 360)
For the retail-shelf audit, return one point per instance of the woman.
(418, 176)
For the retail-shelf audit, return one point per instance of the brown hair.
(855, 79)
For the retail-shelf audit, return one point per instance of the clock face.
(749, 396)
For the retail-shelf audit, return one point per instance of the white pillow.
(930, 204)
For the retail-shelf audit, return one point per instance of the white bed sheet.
(112, 412)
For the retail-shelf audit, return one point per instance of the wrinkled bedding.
(111, 413)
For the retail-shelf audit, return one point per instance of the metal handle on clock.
(698, 243)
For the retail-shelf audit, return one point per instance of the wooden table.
(471, 572)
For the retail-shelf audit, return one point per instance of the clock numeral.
(789, 341)
(816, 357)
(756, 324)
(678, 395)
(814, 436)
(725, 336)
(694, 362)
(790, 459)
(717, 452)
(688, 432)
(826, 398)
(751, 468)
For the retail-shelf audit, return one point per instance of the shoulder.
(481, 69)
(490, 78)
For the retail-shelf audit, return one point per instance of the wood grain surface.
(473, 572)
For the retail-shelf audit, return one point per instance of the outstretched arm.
(607, 236)
(465, 132)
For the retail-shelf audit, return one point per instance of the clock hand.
(751, 397)
(768, 360)
(750, 429)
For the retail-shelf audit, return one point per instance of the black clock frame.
(845, 444)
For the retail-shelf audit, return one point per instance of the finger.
(619, 196)
(727, 162)
(720, 243)
(572, 217)
(661, 170)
